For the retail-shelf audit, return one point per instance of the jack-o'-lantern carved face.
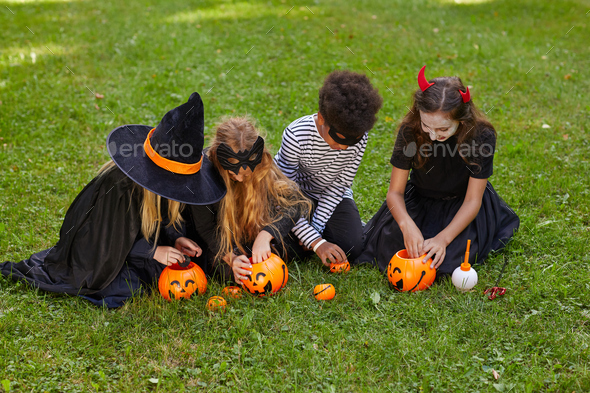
(340, 267)
(267, 277)
(410, 274)
(177, 282)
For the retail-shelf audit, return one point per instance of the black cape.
(98, 232)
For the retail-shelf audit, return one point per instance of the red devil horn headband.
(423, 83)
(466, 96)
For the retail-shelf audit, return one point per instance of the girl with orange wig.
(261, 205)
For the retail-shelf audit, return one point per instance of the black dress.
(434, 194)
(101, 255)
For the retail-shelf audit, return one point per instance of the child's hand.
(239, 266)
(414, 241)
(330, 252)
(188, 247)
(168, 255)
(261, 248)
(435, 246)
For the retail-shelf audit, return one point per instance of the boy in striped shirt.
(321, 153)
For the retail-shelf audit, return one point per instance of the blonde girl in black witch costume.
(125, 226)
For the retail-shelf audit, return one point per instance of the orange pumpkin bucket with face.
(267, 277)
(181, 282)
(410, 274)
(340, 267)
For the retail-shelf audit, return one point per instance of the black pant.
(344, 228)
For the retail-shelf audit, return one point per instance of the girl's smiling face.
(438, 125)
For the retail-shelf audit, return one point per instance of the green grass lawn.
(528, 66)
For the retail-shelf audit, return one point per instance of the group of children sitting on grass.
(165, 196)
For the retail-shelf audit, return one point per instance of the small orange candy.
(216, 303)
(233, 291)
(339, 267)
(324, 292)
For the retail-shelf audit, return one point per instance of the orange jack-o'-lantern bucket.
(340, 267)
(181, 282)
(410, 274)
(267, 277)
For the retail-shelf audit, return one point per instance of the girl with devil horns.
(126, 225)
(261, 205)
(446, 146)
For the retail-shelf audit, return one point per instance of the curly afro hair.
(349, 103)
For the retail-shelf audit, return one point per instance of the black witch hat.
(168, 160)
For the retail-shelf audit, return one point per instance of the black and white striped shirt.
(321, 172)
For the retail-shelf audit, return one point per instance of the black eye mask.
(246, 158)
(348, 141)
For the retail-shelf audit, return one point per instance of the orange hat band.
(173, 166)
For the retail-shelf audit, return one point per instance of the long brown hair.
(151, 213)
(251, 205)
(444, 96)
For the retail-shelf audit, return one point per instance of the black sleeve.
(289, 218)
(482, 154)
(404, 150)
(280, 228)
(204, 222)
(172, 234)
(142, 249)
(168, 235)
